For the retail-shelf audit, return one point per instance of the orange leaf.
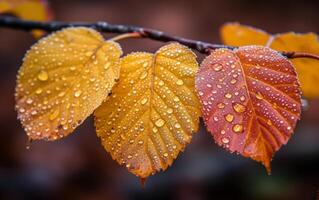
(37, 10)
(238, 35)
(63, 79)
(251, 100)
(308, 69)
(153, 110)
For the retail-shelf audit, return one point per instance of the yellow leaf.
(63, 79)
(27, 9)
(153, 110)
(308, 69)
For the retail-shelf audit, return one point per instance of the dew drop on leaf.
(238, 128)
(228, 95)
(239, 107)
(259, 96)
(229, 117)
(43, 76)
(179, 82)
(159, 122)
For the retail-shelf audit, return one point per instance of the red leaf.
(250, 100)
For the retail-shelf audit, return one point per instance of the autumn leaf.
(251, 100)
(37, 10)
(63, 79)
(153, 110)
(308, 69)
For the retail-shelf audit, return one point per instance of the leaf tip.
(143, 181)
(267, 167)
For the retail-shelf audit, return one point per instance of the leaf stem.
(126, 35)
(131, 31)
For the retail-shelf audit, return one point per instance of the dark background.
(77, 167)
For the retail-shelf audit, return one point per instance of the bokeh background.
(77, 167)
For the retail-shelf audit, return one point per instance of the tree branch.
(202, 47)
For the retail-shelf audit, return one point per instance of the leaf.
(36, 10)
(238, 35)
(251, 100)
(153, 110)
(63, 79)
(308, 69)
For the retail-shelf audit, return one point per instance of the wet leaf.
(251, 100)
(63, 79)
(153, 110)
(37, 10)
(308, 69)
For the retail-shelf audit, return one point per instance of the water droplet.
(161, 83)
(159, 123)
(54, 114)
(269, 122)
(229, 117)
(77, 93)
(43, 76)
(242, 98)
(154, 129)
(34, 112)
(21, 110)
(140, 142)
(179, 82)
(215, 119)
(61, 94)
(225, 140)
(176, 99)
(107, 65)
(221, 105)
(169, 111)
(165, 155)
(177, 125)
(259, 96)
(29, 101)
(239, 108)
(65, 127)
(143, 75)
(38, 91)
(228, 95)
(238, 128)
(144, 100)
(233, 81)
(217, 67)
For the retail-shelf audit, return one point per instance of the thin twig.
(202, 47)
(15, 23)
(301, 55)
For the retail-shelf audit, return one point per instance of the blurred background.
(77, 167)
